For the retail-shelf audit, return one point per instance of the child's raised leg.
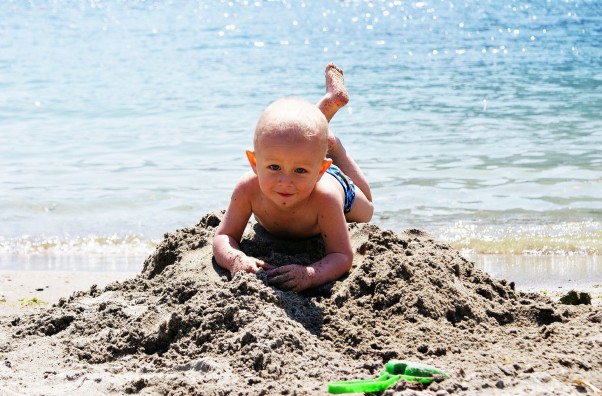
(336, 95)
(335, 98)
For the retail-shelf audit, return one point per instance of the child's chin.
(286, 201)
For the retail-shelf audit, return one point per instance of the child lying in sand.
(295, 191)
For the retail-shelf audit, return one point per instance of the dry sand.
(182, 327)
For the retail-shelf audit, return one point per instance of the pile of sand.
(182, 327)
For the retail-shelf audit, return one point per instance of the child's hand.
(293, 277)
(248, 264)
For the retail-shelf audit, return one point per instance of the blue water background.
(480, 122)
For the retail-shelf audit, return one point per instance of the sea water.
(477, 121)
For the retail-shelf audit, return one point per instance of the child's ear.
(325, 165)
(252, 160)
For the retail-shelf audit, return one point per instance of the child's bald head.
(295, 119)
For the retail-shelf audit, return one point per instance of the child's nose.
(285, 179)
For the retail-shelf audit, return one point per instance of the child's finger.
(286, 284)
(264, 265)
(289, 285)
(277, 278)
(274, 271)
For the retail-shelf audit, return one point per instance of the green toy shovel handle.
(368, 385)
(394, 371)
(373, 385)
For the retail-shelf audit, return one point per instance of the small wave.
(92, 244)
(564, 239)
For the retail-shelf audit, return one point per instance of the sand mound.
(182, 327)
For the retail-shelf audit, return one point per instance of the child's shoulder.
(329, 189)
(248, 177)
(247, 184)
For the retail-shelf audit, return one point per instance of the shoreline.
(552, 276)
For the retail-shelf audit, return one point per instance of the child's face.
(288, 168)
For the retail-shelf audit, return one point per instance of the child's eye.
(274, 167)
(300, 170)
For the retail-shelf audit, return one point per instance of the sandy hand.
(293, 277)
(248, 264)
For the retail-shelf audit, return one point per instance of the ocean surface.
(477, 121)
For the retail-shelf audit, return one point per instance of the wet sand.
(19, 288)
(553, 276)
(182, 327)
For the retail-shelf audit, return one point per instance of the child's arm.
(339, 253)
(226, 249)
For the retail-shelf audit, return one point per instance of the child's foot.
(336, 94)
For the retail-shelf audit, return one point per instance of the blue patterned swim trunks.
(347, 184)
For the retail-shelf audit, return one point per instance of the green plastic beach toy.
(394, 371)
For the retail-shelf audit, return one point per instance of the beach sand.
(19, 290)
(182, 327)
